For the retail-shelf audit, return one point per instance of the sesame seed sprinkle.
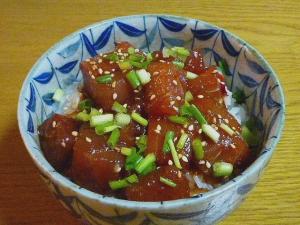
(184, 159)
(75, 133)
(106, 72)
(172, 102)
(200, 96)
(191, 127)
(99, 60)
(157, 131)
(219, 116)
(119, 50)
(226, 120)
(208, 165)
(136, 50)
(100, 110)
(182, 131)
(176, 108)
(152, 97)
(179, 174)
(125, 105)
(100, 70)
(178, 98)
(155, 73)
(93, 77)
(170, 162)
(215, 120)
(63, 144)
(54, 124)
(111, 62)
(136, 91)
(174, 82)
(94, 67)
(201, 162)
(113, 84)
(117, 168)
(204, 143)
(88, 139)
(115, 95)
(163, 61)
(232, 146)
(200, 131)
(158, 127)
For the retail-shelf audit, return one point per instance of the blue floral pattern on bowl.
(59, 68)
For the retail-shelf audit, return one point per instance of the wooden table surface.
(28, 28)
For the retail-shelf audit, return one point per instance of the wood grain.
(28, 28)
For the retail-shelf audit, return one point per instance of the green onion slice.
(118, 184)
(132, 160)
(105, 79)
(182, 140)
(167, 181)
(169, 136)
(190, 75)
(125, 65)
(227, 129)
(197, 114)
(122, 119)
(211, 132)
(174, 154)
(117, 107)
(85, 104)
(139, 119)
(251, 138)
(198, 149)
(133, 79)
(101, 119)
(143, 76)
(188, 96)
(113, 138)
(100, 128)
(112, 57)
(145, 163)
(222, 169)
(178, 119)
(130, 50)
(142, 143)
(179, 64)
(82, 116)
(126, 151)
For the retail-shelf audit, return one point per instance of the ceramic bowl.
(59, 67)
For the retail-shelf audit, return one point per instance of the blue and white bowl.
(59, 67)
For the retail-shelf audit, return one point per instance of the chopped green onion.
(113, 138)
(197, 114)
(125, 65)
(142, 143)
(105, 79)
(100, 128)
(144, 163)
(140, 65)
(136, 58)
(174, 154)
(149, 57)
(184, 110)
(222, 169)
(118, 184)
(190, 75)
(179, 64)
(198, 149)
(85, 104)
(183, 138)
(239, 96)
(167, 181)
(223, 66)
(166, 52)
(169, 136)
(117, 107)
(94, 112)
(58, 94)
(227, 129)
(143, 76)
(112, 57)
(181, 51)
(101, 119)
(139, 119)
(211, 132)
(122, 119)
(188, 96)
(83, 116)
(133, 79)
(178, 119)
(130, 50)
(110, 128)
(132, 179)
(126, 151)
(132, 160)
(251, 138)
(149, 169)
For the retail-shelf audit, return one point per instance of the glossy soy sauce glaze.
(75, 149)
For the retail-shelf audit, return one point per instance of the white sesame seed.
(163, 61)
(63, 144)
(112, 75)
(218, 80)
(232, 146)
(184, 159)
(219, 116)
(88, 139)
(174, 82)
(155, 73)
(214, 71)
(99, 60)
(176, 108)
(87, 60)
(93, 77)
(117, 168)
(200, 96)
(158, 127)
(191, 127)
(233, 128)
(94, 67)
(90, 73)
(117, 149)
(156, 55)
(208, 165)
(226, 120)
(172, 102)
(54, 124)
(201, 162)
(179, 174)
(115, 95)
(119, 50)
(170, 162)
(92, 62)
(137, 138)
(200, 131)
(104, 55)
(175, 139)
(100, 70)
(152, 97)
(136, 50)
(100, 110)
(178, 98)
(215, 120)
(75, 133)
(204, 143)
(125, 105)
(113, 69)
(136, 91)
(111, 62)
(182, 131)
(113, 84)
(157, 131)
(221, 101)
(106, 72)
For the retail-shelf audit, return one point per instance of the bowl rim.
(57, 178)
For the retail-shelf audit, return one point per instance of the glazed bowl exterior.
(59, 68)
